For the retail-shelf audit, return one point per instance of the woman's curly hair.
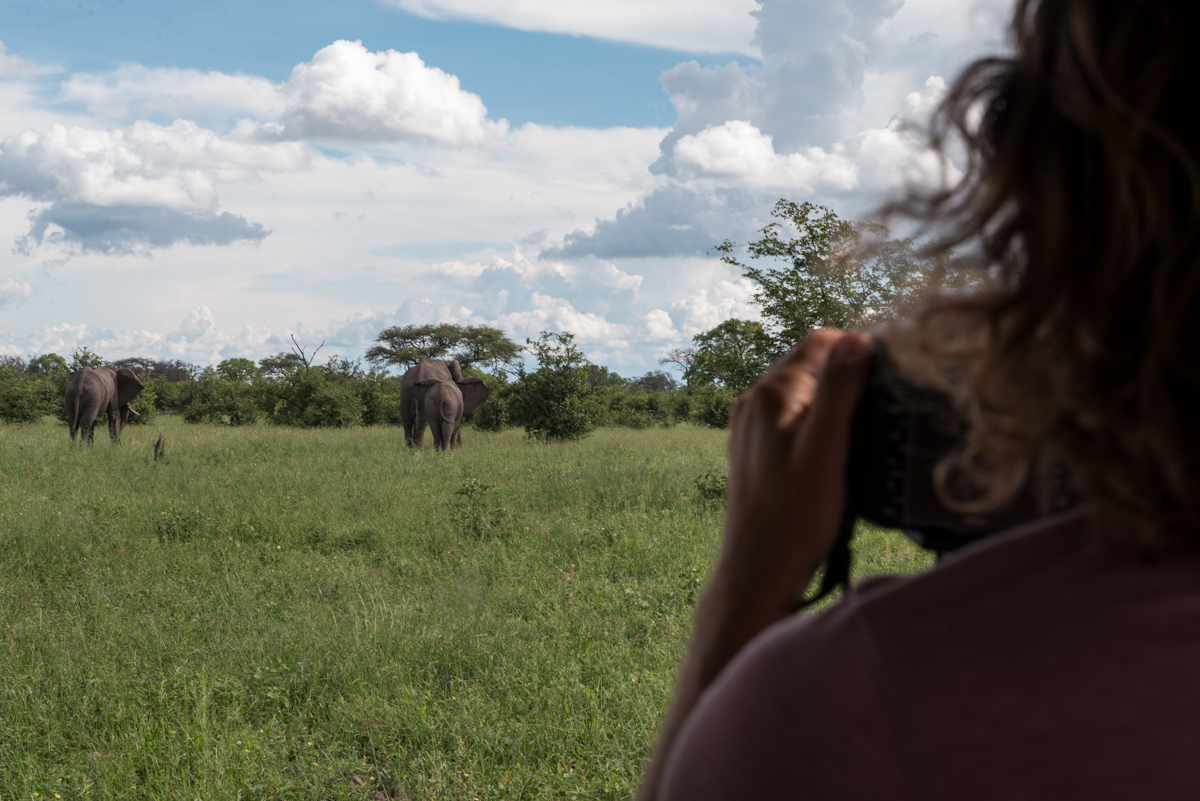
(1080, 205)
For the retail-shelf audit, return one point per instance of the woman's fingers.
(826, 432)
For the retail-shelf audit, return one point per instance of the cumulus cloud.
(827, 117)
(348, 92)
(345, 92)
(149, 186)
(559, 314)
(697, 26)
(738, 152)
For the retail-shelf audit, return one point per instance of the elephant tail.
(77, 411)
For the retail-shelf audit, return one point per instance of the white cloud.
(150, 186)
(13, 292)
(559, 314)
(174, 167)
(15, 65)
(720, 301)
(709, 26)
(131, 90)
(825, 118)
(659, 326)
(739, 153)
(347, 92)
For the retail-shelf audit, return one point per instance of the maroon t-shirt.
(1035, 665)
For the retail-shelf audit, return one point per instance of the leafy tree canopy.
(734, 354)
(281, 364)
(472, 346)
(655, 381)
(238, 370)
(48, 365)
(147, 367)
(85, 357)
(826, 279)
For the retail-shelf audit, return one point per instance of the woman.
(1060, 660)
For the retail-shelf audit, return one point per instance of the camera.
(901, 432)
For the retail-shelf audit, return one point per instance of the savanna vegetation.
(278, 612)
(287, 603)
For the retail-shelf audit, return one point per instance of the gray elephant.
(418, 382)
(94, 391)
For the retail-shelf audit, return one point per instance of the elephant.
(93, 391)
(418, 382)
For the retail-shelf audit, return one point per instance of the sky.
(204, 179)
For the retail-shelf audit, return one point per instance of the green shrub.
(23, 400)
(170, 396)
(710, 405)
(380, 399)
(634, 407)
(218, 400)
(146, 406)
(313, 398)
(556, 402)
(712, 487)
(493, 414)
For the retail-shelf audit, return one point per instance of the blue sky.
(201, 180)
(593, 82)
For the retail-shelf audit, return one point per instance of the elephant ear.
(128, 386)
(455, 370)
(474, 393)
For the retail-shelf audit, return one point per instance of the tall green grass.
(277, 613)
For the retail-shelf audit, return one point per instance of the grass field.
(277, 613)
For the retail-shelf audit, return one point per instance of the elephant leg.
(114, 423)
(418, 434)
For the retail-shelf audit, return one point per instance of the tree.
(84, 357)
(484, 346)
(734, 354)
(555, 402)
(655, 381)
(827, 279)
(238, 370)
(473, 346)
(683, 358)
(147, 367)
(49, 365)
(404, 346)
(281, 364)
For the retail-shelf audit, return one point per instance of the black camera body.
(900, 433)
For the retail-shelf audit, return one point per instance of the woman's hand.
(788, 447)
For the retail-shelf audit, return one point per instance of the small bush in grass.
(712, 487)
(479, 515)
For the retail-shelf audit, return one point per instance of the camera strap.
(837, 566)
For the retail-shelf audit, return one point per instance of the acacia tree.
(472, 346)
(826, 279)
(484, 346)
